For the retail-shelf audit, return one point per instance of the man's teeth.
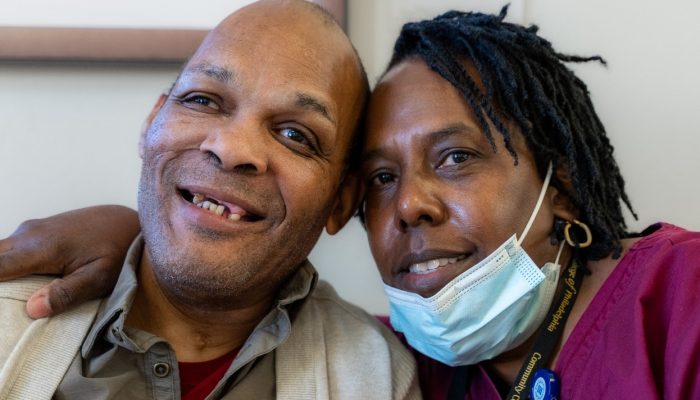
(215, 208)
(430, 265)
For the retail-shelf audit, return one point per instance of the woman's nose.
(418, 204)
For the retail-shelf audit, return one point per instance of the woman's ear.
(149, 120)
(347, 200)
(562, 205)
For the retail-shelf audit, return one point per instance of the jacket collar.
(112, 314)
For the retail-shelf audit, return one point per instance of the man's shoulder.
(21, 289)
(348, 319)
(14, 320)
(354, 345)
(13, 317)
(25, 343)
(330, 304)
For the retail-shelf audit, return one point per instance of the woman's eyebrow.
(436, 135)
(458, 128)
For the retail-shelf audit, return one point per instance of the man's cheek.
(173, 135)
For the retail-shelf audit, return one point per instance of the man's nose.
(240, 146)
(418, 203)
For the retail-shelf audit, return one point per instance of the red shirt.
(198, 379)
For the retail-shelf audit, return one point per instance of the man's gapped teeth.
(430, 265)
(218, 209)
(198, 198)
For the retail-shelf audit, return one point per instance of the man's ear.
(149, 120)
(347, 200)
(562, 205)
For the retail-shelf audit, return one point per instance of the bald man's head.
(261, 119)
(267, 29)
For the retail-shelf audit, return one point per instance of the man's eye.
(456, 157)
(295, 135)
(199, 100)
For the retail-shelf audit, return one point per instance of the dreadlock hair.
(524, 80)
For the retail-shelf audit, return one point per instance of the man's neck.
(195, 334)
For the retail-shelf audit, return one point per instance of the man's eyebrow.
(309, 102)
(219, 73)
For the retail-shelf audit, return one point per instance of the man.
(242, 164)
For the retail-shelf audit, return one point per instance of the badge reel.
(545, 385)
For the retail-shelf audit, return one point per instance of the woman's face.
(438, 198)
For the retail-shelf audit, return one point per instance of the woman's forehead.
(412, 100)
(412, 96)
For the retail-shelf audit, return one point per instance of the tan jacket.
(334, 350)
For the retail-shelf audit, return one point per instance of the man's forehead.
(299, 95)
(263, 36)
(290, 16)
(263, 47)
(296, 29)
(266, 7)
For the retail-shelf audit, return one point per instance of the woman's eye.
(382, 178)
(456, 157)
(203, 101)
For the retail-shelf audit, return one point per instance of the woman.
(492, 203)
(475, 120)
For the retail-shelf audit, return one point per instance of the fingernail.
(38, 306)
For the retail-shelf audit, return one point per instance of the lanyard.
(546, 340)
(549, 334)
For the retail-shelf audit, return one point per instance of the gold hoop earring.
(586, 230)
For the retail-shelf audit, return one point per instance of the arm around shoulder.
(85, 246)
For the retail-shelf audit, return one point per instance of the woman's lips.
(426, 267)
(427, 277)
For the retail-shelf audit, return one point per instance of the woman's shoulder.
(664, 235)
(660, 255)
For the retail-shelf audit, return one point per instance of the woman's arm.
(86, 247)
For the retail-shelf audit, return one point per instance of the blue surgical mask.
(492, 307)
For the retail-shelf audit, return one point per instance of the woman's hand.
(86, 247)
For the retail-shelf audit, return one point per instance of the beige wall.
(68, 133)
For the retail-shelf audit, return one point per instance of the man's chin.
(201, 280)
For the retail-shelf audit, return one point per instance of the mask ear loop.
(545, 185)
(561, 247)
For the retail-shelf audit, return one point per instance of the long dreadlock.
(524, 80)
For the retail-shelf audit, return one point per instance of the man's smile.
(225, 209)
